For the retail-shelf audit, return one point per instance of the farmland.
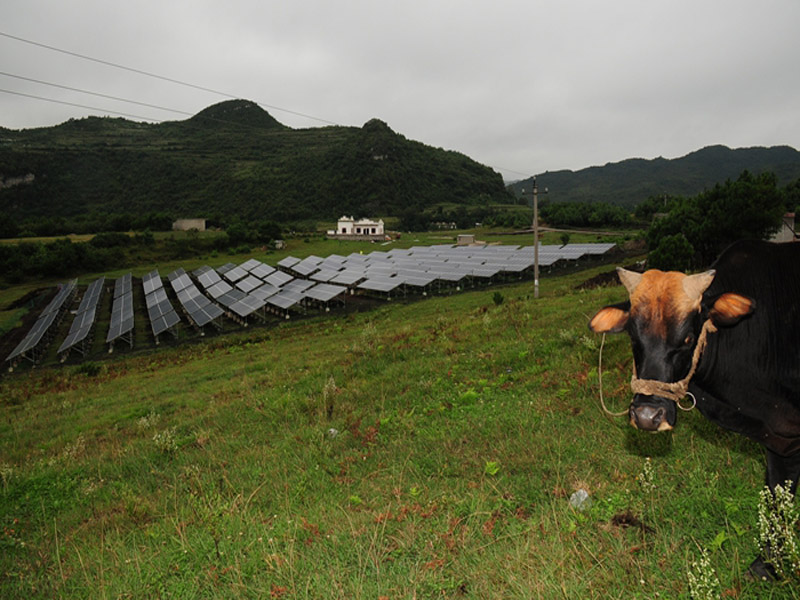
(416, 450)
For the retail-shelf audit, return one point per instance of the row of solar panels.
(421, 266)
(83, 323)
(121, 325)
(32, 345)
(254, 287)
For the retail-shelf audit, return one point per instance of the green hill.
(631, 181)
(231, 159)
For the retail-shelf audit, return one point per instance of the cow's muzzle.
(652, 414)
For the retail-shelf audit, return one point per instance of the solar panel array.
(35, 341)
(420, 268)
(252, 288)
(122, 320)
(162, 316)
(200, 310)
(248, 288)
(78, 338)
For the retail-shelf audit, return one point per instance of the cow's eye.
(689, 340)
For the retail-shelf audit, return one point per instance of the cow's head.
(663, 318)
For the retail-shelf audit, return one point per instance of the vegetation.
(231, 161)
(629, 182)
(697, 229)
(387, 454)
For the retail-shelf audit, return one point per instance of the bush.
(674, 253)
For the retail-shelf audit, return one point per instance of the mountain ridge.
(631, 181)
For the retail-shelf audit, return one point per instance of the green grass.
(420, 450)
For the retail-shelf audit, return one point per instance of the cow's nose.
(649, 418)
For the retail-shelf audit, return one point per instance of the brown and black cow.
(745, 375)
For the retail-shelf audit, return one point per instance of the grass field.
(419, 450)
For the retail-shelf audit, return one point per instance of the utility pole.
(535, 239)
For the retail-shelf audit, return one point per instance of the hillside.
(232, 158)
(631, 181)
(420, 450)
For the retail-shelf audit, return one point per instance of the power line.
(156, 76)
(102, 110)
(98, 94)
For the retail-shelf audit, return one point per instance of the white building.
(363, 228)
(187, 224)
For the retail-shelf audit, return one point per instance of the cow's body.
(747, 378)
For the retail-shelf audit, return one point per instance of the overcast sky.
(522, 86)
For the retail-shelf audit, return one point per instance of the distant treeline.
(115, 250)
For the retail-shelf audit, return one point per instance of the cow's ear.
(730, 308)
(611, 319)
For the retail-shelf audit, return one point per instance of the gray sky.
(522, 86)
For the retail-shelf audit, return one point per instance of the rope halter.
(677, 390)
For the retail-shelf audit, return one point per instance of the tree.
(750, 207)
(674, 253)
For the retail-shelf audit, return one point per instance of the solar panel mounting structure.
(79, 336)
(122, 319)
(163, 317)
(34, 344)
(197, 307)
(324, 293)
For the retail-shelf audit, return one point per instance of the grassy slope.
(463, 427)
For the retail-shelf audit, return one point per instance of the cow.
(726, 341)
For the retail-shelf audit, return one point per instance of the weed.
(492, 468)
(646, 479)
(148, 421)
(89, 369)
(166, 441)
(777, 529)
(703, 581)
(6, 471)
(497, 298)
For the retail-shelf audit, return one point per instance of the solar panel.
(164, 322)
(262, 271)
(122, 320)
(181, 282)
(206, 314)
(279, 278)
(81, 326)
(380, 285)
(208, 278)
(325, 275)
(298, 286)
(156, 297)
(225, 268)
(288, 262)
(218, 289)
(123, 285)
(305, 268)
(231, 297)
(92, 295)
(284, 299)
(251, 264)
(235, 274)
(249, 283)
(265, 291)
(325, 292)
(28, 347)
(348, 277)
(247, 305)
(65, 291)
(34, 336)
(151, 282)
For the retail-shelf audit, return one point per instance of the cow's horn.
(695, 285)
(630, 279)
